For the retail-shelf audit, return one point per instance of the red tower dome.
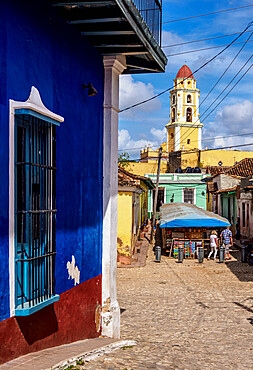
(184, 72)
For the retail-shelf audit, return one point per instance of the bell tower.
(184, 130)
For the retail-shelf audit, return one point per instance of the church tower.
(184, 130)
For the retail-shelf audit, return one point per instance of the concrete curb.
(92, 355)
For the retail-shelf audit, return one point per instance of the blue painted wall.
(38, 48)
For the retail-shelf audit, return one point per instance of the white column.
(113, 67)
(199, 138)
(177, 138)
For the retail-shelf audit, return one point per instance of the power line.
(207, 139)
(216, 85)
(200, 40)
(228, 93)
(192, 151)
(197, 70)
(225, 88)
(203, 15)
(204, 49)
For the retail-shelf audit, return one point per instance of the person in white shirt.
(213, 244)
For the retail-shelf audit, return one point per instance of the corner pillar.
(113, 67)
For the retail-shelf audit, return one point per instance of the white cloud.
(132, 92)
(133, 147)
(231, 121)
(159, 134)
(236, 117)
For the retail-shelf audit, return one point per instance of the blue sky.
(145, 124)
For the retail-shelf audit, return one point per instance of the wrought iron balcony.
(151, 12)
(120, 27)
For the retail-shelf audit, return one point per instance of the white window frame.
(194, 195)
(34, 103)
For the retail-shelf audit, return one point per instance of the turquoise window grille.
(35, 211)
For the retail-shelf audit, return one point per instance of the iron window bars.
(35, 210)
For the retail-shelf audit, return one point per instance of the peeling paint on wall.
(74, 272)
(107, 318)
(106, 306)
(98, 317)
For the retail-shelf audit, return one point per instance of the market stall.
(188, 226)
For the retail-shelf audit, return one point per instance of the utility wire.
(222, 101)
(203, 15)
(200, 40)
(181, 138)
(192, 151)
(225, 88)
(197, 70)
(203, 49)
(228, 92)
(207, 139)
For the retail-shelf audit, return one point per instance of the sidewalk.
(68, 354)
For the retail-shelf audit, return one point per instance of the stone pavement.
(184, 316)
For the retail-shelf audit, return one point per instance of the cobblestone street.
(185, 316)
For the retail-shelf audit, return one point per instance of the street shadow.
(242, 271)
(244, 306)
(247, 305)
(250, 321)
(122, 310)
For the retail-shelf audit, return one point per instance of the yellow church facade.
(184, 130)
(183, 147)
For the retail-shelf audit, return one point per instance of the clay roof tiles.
(244, 168)
(128, 178)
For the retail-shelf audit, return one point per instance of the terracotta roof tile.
(128, 178)
(226, 190)
(244, 168)
(215, 170)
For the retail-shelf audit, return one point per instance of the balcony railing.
(151, 11)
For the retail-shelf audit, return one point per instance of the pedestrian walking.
(227, 239)
(213, 244)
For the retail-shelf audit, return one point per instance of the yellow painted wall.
(143, 168)
(189, 159)
(212, 157)
(191, 134)
(143, 204)
(124, 233)
(171, 130)
(227, 157)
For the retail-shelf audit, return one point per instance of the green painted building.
(179, 188)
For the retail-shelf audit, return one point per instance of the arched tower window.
(173, 99)
(188, 115)
(173, 113)
(172, 136)
(189, 98)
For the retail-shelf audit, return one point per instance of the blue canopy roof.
(188, 215)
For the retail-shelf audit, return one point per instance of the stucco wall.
(228, 157)
(142, 168)
(124, 233)
(39, 49)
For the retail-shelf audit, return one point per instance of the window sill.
(26, 310)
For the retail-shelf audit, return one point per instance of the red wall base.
(70, 319)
